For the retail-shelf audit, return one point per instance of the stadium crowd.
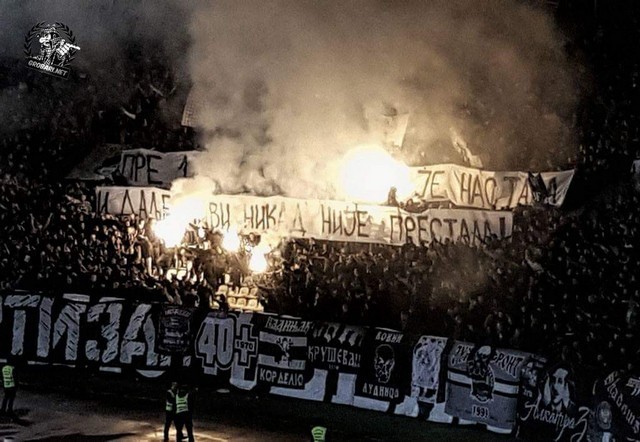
(564, 285)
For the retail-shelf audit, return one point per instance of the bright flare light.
(258, 262)
(369, 172)
(171, 229)
(231, 240)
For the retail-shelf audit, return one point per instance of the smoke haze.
(287, 87)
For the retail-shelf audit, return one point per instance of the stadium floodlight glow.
(368, 172)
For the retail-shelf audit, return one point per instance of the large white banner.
(481, 189)
(144, 167)
(144, 202)
(318, 219)
(344, 221)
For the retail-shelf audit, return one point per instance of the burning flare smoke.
(287, 89)
(294, 96)
(368, 172)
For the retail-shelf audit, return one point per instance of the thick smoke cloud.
(287, 87)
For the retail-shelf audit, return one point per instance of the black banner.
(548, 406)
(335, 347)
(617, 406)
(385, 370)
(71, 330)
(175, 330)
(20, 313)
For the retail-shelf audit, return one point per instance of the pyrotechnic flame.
(231, 240)
(369, 172)
(171, 229)
(258, 262)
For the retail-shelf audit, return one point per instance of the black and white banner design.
(384, 379)
(489, 190)
(110, 334)
(227, 343)
(175, 329)
(617, 407)
(548, 406)
(143, 202)
(427, 360)
(144, 167)
(483, 384)
(344, 221)
(428, 377)
(335, 351)
(371, 368)
(282, 354)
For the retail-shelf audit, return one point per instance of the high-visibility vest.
(319, 434)
(169, 405)
(7, 376)
(182, 403)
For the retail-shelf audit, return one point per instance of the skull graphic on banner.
(384, 363)
(481, 374)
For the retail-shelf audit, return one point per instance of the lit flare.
(231, 240)
(171, 230)
(369, 172)
(258, 262)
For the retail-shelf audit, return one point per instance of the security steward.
(184, 412)
(170, 409)
(9, 384)
(319, 434)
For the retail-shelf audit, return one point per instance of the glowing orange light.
(258, 262)
(231, 240)
(369, 172)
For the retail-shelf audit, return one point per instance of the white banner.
(318, 219)
(481, 189)
(344, 221)
(144, 167)
(144, 202)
